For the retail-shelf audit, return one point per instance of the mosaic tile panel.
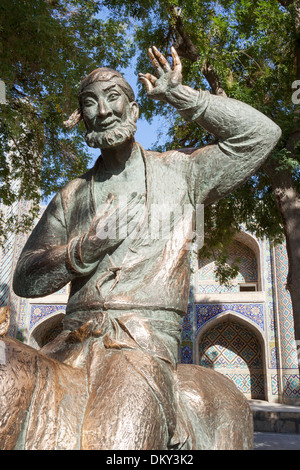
(291, 385)
(251, 385)
(253, 312)
(186, 353)
(216, 289)
(187, 325)
(234, 351)
(247, 270)
(232, 345)
(288, 353)
(187, 337)
(268, 283)
(7, 252)
(39, 312)
(275, 384)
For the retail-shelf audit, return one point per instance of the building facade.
(244, 331)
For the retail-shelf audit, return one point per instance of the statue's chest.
(122, 185)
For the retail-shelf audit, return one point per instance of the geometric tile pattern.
(7, 252)
(253, 312)
(231, 344)
(289, 354)
(233, 349)
(186, 343)
(275, 384)
(291, 385)
(239, 253)
(251, 385)
(38, 312)
(186, 354)
(270, 306)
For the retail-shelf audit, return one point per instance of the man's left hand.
(168, 78)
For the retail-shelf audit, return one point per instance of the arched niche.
(246, 248)
(235, 347)
(251, 242)
(46, 330)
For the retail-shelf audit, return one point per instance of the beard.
(112, 137)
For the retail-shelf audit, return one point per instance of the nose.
(103, 109)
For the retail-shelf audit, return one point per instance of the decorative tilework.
(186, 354)
(234, 351)
(38, 312)
(253, 312)
(216, 289)
(232, 345)
(187, 344)
(275, 384)
(291, 385)
(251, 385)
(238, 252)
(187, 325)
(288, 353)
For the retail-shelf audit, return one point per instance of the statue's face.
(108, 115)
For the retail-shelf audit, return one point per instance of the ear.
(134, 110)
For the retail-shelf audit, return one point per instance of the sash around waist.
(77, 318)
(156, 332)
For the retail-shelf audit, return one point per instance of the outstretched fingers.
(164, 64)
(157, 67)
(154, 86)
(176, 60)
(148, 80)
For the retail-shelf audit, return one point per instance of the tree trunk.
(288, 203)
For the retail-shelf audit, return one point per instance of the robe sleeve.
(245, 138)
(48, 260)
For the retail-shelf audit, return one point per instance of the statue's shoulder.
(170, 154)
(180, 158)
(77, 185)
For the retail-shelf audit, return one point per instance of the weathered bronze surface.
(110, 380)
(47, 405)
(4, 320)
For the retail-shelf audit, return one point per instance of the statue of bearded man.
(129, 290)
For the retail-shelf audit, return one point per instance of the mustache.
(111, 137)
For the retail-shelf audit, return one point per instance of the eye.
(89, 102)
(113, 96)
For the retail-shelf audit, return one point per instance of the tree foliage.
(46, 48)
(247, 50)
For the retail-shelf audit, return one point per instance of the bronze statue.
(110, 380)
(4, 320)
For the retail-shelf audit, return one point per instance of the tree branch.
(187, 49)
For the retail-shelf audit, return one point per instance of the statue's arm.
(41, 268)
(51, 258)
(245, 136)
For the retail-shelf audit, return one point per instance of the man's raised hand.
(158, 87)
